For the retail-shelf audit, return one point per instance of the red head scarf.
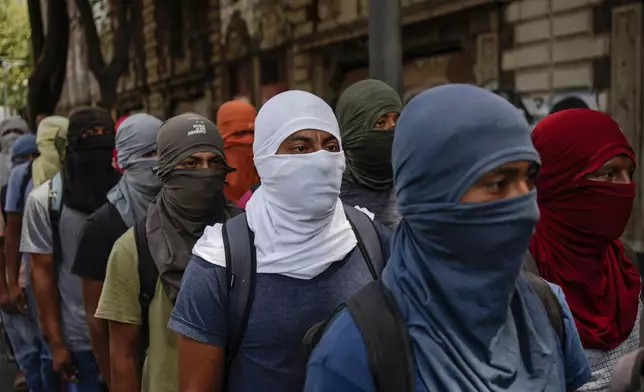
(114, 153)
(576, 243)
(236, 123)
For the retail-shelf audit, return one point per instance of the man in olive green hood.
(51, 139)
(367, 113)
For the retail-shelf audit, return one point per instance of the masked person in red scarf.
(236, 123)
(585, 192)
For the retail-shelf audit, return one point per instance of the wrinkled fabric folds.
(136, 137)
(236, 123)
(189, 199)
(474, 323)
(367, 150)
(576, 243)
(298, 220)
(51, 139)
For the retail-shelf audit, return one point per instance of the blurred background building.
(540, 54)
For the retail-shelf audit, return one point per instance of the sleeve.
(94, 248)
(120, 296)
(339, 362)
(13, 190)
(576, 364)
(37, 235)
(201, 310)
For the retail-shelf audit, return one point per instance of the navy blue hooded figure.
(464, 166)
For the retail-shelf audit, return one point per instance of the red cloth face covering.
(576, 242)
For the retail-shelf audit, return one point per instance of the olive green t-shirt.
(120, 302)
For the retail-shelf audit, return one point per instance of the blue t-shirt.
(339, 363)
(271, 356)
(15, 201)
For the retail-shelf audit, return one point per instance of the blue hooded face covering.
(474, 323)
(139, 184)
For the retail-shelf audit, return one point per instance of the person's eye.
(215, 164)
(332, 148)
(606, 176)
(497, 185)
(299, 149)
(190, 164)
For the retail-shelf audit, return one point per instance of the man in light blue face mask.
(463, 315)
(10, 130)
(127, 203)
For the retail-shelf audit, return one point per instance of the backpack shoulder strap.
(550, 302)
(55, 198)
(148, 275)
(241, 269)
(368, 239)
(54, 204)
(25, 183)
(385, 336)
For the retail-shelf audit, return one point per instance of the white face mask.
(307, 185)
(298, 220)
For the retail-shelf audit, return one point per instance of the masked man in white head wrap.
(306, 253)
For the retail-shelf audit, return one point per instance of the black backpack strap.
(550, 303)
(368, 240)
(241, 269)
(148, 275)
(3, 201)
(24, 184)
(54, 206)
(385, 336)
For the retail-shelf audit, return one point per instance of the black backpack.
(385, 335)
(241, 266)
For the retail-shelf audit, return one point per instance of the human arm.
(124, 349)
(14, 208)
(200, 318)
(13, 260)
(119, 307)
(4, 290)
(339, 361)
(576, 367)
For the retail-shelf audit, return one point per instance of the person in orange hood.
(236, 123)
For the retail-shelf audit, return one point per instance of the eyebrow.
(298, 138)
(507, 171)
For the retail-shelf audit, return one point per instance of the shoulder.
(342, 351)
(126, 244)
(39, 195)
(18, 172)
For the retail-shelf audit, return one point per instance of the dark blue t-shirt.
(271, 356)
(339, 363)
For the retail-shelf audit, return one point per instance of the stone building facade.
(538, 53)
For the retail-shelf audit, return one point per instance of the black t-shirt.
(100, 232)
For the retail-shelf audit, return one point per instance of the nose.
(624, 177)
(523, 186)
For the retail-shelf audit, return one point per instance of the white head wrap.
(298, 220)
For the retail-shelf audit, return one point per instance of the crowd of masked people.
(443, 246)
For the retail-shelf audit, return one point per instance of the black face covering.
(88, 173)
(189, 200)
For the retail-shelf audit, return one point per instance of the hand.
(62, 363)
(18, 299)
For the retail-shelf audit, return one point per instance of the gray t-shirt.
(37, 238)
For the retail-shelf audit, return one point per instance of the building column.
(385, 44)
